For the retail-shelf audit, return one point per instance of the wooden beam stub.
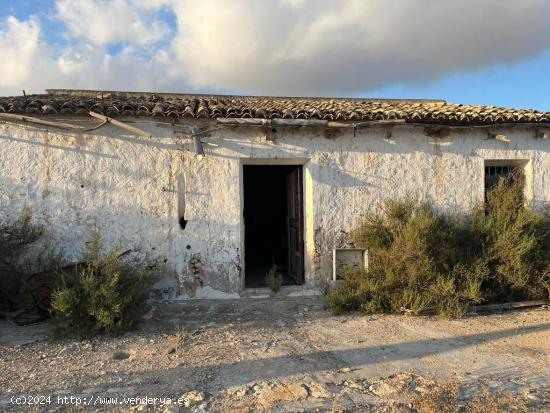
(498, 136)
(541, 134)
(438, 132)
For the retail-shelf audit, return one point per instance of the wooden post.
(199, 149)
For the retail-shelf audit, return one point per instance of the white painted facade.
(133, 188)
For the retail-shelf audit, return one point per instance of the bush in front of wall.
(14, 240)
(274, 279)
(417, 261)
(516, 244)
(422, 260)
(104, 295)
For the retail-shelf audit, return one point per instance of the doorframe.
(266, 162)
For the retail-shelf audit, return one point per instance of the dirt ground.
(277, 355)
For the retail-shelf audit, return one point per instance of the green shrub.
(14, 240)
(274, 279)
(423, 260)
(17, 235)
(105, 295)
(516, 243)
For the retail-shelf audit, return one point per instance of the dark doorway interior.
(273, 223)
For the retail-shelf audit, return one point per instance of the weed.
(274, 279)
(177, 341)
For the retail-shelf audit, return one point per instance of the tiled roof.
(116, 104)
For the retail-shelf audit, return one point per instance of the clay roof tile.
(212, 106)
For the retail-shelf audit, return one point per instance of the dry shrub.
(442, 399)
(445, 399)
(424, 260)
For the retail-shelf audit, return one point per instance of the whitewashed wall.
(127, 187)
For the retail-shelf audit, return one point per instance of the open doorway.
(273, 219)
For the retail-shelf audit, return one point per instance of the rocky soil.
(283, 355)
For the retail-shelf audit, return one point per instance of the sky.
(488, 52)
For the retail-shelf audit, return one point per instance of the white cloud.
(310, 47)
(102, 22)
(27, 62)
(19, 48)
(326, 46)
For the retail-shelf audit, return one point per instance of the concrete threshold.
(285, 291)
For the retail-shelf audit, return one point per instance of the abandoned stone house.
(217, 189)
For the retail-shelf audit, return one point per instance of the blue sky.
(524, 84)
(283, 47)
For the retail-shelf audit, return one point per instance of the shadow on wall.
(330, 155)
(39, 138)
(300, 142)
(63, 148)
(247, 144)
(69, 214)
(405, 140)
(162, 234)
(159, 133)
(118, 188)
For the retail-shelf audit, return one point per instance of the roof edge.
(127, 94)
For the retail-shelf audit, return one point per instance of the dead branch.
(120, 124)
(13, 117)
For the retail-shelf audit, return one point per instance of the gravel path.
(277, 355)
